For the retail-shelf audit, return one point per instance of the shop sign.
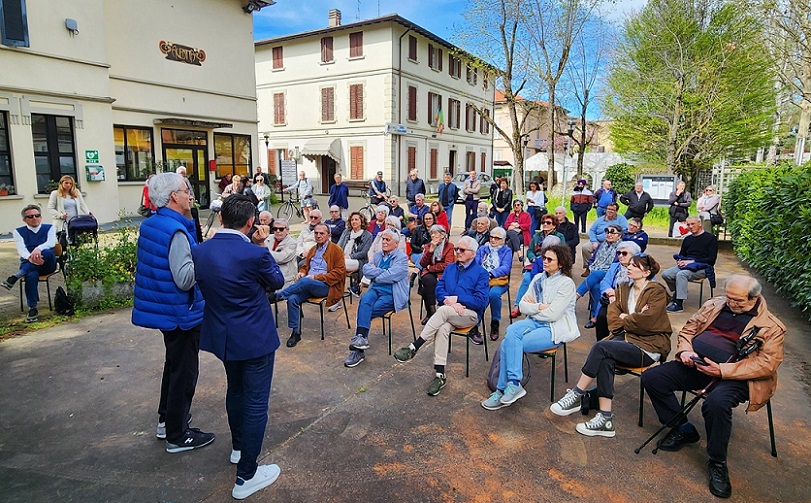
(182, 53)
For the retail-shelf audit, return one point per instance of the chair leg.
(321, 312)
(641, 401)
(552, 378)
(771, 427)
(411, 318)
(276, 312)
(467, 357)
(20, 281)
(48, 290)
(484, 338)
(346, 314)
(700, 293)
(565, 363)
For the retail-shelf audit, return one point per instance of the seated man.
(469, 283)
(481, 230)
(335, 223)
(635, 233)
(322, 274)
(483, 211)
(306, 238)
(388, 291)
(711, 336)
(597, 232)
(695, 260)
(35, 245)
(282, 248)
(415, 212)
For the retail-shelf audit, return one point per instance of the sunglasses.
(33, 216)
(611, 232)
(547, 223)
(623, 253)
(460, 250)
(278, 229)
(548, 259)
(314, 218)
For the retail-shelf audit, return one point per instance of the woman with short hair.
(436, 256)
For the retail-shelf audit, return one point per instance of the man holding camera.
(708, 339)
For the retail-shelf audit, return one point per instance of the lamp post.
(570, 134)
(524, 142)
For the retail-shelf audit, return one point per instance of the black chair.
(552, 354)
(465, 332)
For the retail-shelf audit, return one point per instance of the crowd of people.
(197, 300)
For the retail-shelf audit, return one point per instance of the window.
(356, 102)
(356, 44)
(484, 125)
(454, 66)
(233, 153)
(327, 104)
(471, 161)
(134, 153)
(14, 22)
(278, 109)
(54, 149)
(472, 75)
(326, 50)
(278, 58)
(412, 103)
(356, 163)
(435, 57)
(484, 160)
(412, 48)
(6, 175)
(454, 112)
(412, 157)
(470, 117)
(434, 164)
(434, 109)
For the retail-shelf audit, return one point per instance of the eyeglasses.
(460, 250)
(623, 253)
(737, 301)
(549, 259)
(497, 238)
(33, 216)
(279, 229)
(611, 232)
(314, 218)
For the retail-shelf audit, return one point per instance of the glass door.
(189, 149)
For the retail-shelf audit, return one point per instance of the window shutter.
(434, 163)
(430, 56)
(271, 161)
(356, 101)
(412, 158)
(356, 44)
(412, 103)
(430, 112)
(326, 49)
(450, 65)
(278, 108)
(356, 162)
(278, 57)
(412, 47)
(471, 161)
(15, 24)
(484, 160)
(439, 59)
(328, 104)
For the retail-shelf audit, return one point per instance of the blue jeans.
(246, 402)
(449, 210)
(32, 272)
(373, 304)
(496, 292)
(523, 287)
(522, 337)
(298, 292)
(501, 217)
(592, 285)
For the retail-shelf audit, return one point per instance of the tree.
(692, 81)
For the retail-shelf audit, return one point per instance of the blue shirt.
(317, 264)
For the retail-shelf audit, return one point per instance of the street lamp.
(566, 161)
(525, 142)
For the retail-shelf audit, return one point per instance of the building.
(107, 89)
(377, 95)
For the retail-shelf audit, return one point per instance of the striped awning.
(329, 147)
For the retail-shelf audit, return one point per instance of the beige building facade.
(108, 91)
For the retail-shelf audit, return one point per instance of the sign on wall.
(91, 156)
(658, 186)
(182, 53)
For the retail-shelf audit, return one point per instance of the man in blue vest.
(448, 192)
(167, 299)
(339, 196)
(35, 245)
(604, 196)
(238, 328)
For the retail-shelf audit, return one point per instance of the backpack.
(62, 303)
(495, 368)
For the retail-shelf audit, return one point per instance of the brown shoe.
(586, 272)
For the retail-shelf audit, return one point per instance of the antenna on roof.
(357, 16)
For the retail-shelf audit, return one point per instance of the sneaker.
(569, 404)
(33, 315)
(437, 384)
(8, 283)
(676, 439)
(160, 430)
(235, 456)
(354, 358)
(359, 343)
(675, 307)
(475, 337)
(354, 290)
(494, 401)
(719, 479)
(404, 354)
(264, 476)
(512, 393)
(192, 439)
(335, 307)
(598, 426)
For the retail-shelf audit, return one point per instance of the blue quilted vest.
(159, 303)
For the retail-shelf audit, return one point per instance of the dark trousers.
(605, 355)
(601, 330)
(246, 402)
(180, 371)
(581, 219)
(428, 289)
(32, 272)
(470, 211)
(195, 215)
(661, 383)
(514, 240)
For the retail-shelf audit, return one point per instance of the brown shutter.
(356, 101)
(271, 161)
(356, 44)
(356, 162)
(450, 65)
(328, 104)
(484, 161)
(412, 103)
(278, 57)
(430, 112)
(471, 161)
(412, 48)
(434, 163)
(326, 49)
(278, 108)
(439, 59)
(412, 158)
(430, 56)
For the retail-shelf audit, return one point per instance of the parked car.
(459, 181)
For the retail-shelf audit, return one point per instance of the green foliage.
(622, 176)
(768, 213)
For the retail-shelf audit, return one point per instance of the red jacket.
(442, 220)
(524, 221)
(428, 264)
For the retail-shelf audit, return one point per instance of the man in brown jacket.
(708, 339)
(322, 274)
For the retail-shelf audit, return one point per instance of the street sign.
(392, 128)
(91, 156)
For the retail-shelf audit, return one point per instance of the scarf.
(352, 243)
(491, 259)
(438, 249)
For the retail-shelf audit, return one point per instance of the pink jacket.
(524, 221)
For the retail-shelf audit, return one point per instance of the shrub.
(768, 214)
(622, 177)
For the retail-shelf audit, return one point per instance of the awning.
(329, 147)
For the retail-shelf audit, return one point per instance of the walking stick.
(745, 346)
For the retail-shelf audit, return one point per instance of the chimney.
(334, 18)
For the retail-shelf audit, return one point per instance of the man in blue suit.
(238, 328)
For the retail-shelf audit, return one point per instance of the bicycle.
(369, 210)
(292, 205)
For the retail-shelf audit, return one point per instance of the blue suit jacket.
(232, 275)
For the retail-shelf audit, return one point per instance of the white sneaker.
(569, 404)
(160, 431)
(235, 456)
(335, 307)
(264, 476)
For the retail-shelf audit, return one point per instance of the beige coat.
(285, 256)
(56, 206)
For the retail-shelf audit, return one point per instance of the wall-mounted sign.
(182, 53)
(392, 128)
(91, 156)
(95, 173)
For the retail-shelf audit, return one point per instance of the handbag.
(144, 211)
(716, 218)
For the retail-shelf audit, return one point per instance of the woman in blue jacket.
(497, 260)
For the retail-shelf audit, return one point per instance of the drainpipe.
(399, 104)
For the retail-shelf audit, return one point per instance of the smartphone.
(699, 360)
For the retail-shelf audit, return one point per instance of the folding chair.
(701, 281)
(387, 318)
(321, 302)
(635, 371)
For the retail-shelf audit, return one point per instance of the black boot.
(294, 339)
(494, 326)
(429, 311)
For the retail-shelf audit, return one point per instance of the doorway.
(328, 168)
(189, 149)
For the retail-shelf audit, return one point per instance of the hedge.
(768, 214)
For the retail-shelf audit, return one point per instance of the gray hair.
(180, 169)
(499, 232)
(561, 208)
(437, 228)
(470, 242)
(29, 208)
(550, 240)
(751, 283)
(395, 236)
(334, 207)
(161, 187)
(383, 208)
(394, 221)
(283, 222)
(419, 196)
(317, 213)
(629, 246)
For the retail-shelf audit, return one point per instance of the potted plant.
(3, 189)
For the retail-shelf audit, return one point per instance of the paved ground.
(78, 416)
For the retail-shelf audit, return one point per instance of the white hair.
(630, 246)
(161, 187)
(394, 221)
(471, 243)
(383, 208)
(395, 236)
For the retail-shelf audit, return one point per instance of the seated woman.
(392, 223)
(396, 210)
(379, 223)
(420, 237)
(436, 256)
(497, 259)
(599, 263)
(517, 226)
(617, 274)
(355, 242)
(640, 336)
(549, 306)
(441, 216)
(548, 228)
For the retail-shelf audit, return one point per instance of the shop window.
(54, 149)
(233, 153)
(134, 153)
(356, 44)
(6, 174)
(14, 23)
